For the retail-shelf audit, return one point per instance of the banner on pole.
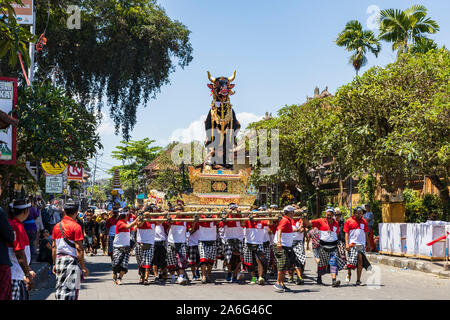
(8, 133)
(54, 184)
(74, 173)
(24, 14)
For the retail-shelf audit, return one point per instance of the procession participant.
(121, 253)
(19, 252)
(284, 255)
(6, 236)
(299, 249)
(159, 263)
(253, 251)
(329, 260)
(111, 227)
(193, 255)
(176, 247)
(233, 237)
(269, 235)
(131, 217)
(145, 238)
(341, 234)
(89, 232)
(68, 255)
(103, 233)
(356, 235)
(207, 246)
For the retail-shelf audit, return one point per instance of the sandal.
(146, 283)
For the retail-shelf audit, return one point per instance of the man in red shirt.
(19, 252)
(356, 236)
(233, 247)
(111, 229)
(68, 254)
(329, 260)
(176, 247)
(207, 246)
(283, 252)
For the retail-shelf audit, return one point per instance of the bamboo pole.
(155, 214)
(210, 219)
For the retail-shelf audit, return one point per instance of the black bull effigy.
(221, 125)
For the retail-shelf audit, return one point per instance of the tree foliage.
(53, 127)
(358, 41)
(135, 155)
(14, 38)
(123, 51)
(403, 27)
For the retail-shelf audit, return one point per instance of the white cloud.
(106, 126)
(196, 129)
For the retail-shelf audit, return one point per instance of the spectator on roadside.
(89, 233)
(370, 218)
(6, 236)
(55, 216)
(45, 248)
(19, 252)
(31, 227)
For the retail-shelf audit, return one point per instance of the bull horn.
(233, 76)
(211, 78)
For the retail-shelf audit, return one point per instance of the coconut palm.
(358, 41)
(401, 27)
(423, 45)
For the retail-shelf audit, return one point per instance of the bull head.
(221, 87)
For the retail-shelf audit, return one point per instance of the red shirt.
(356, 230)
(72, 231)
(285, 225)
(121, 226)
(208, 224)
(20, 235)
(327, 232)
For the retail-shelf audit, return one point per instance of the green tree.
(122, 54)
(358, 41)
(403, 27)
(13, 37)
(423, 45)
(53, 127)
(135, 155)
(397, 121)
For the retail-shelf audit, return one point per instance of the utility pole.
(32, 47)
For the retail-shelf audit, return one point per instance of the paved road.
(383, 282)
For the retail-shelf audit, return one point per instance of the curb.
(412, 264)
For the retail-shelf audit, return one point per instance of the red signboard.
(8, 136)
(74, 173)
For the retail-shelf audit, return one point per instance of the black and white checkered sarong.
(219, 249)
(208, 251)
(267, 251)
(232, 245)
(68, 278)
(300, 256)
(176, 256)
(193, 255)
(144, 257)
(352, 260)
(324, 261)
(19, 290)
(120, 259)
(252, 253)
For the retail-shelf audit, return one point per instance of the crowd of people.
(177, 251)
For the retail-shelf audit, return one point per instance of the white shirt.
(233, 233)
(208, 234)
(145, 235)
(160, 234)
(122, 239)
(298, 236)
(177, 234)
(193, 239)
(16, 269)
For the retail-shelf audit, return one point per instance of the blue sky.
(280, 49)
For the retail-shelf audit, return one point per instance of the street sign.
(24, 14)
(53, 170)
(8, 98)
(53, 184)
(74, 173)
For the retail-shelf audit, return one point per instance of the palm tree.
(423, 45)
(358, 41)
(402, 27)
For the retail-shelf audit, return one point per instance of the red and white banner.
(74, 173)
